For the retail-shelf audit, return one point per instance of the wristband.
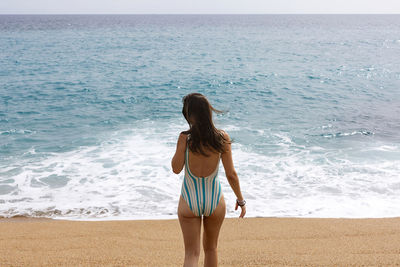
(241, 203)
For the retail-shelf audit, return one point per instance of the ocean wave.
(129, 176)
(17, 131)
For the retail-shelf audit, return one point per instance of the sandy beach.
(243, 242)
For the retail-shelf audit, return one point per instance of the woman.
(199, 149)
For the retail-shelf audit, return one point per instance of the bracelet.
(241, 203)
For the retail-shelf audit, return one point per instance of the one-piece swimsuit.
(202, 194)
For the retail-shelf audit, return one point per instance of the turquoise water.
(90, 112)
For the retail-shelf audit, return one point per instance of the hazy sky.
(198, 6)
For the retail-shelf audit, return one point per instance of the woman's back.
(203, 166)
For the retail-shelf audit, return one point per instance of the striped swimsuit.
(202, 194)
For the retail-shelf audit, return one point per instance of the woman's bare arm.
(231, 174)
(179, 158)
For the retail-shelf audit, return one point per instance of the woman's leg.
(191, 227)
(212, 225)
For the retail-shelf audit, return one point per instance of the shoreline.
(175, 217)
(267, 241)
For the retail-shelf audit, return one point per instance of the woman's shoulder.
(184, 134)
(183, 137)
(224, 134)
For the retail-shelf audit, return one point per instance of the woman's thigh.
(190, 225)
(212, 225)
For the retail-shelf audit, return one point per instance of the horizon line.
(199, 14)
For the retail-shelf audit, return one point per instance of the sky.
(199, 6)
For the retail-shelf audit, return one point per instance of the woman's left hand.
(243, 210)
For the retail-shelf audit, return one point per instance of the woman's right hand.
(243, 210)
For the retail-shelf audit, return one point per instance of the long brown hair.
(202, 133)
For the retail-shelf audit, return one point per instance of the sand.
(243, 242)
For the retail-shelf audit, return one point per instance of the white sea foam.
(299, 185)
(129, 177)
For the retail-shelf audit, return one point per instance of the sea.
(90, 112)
